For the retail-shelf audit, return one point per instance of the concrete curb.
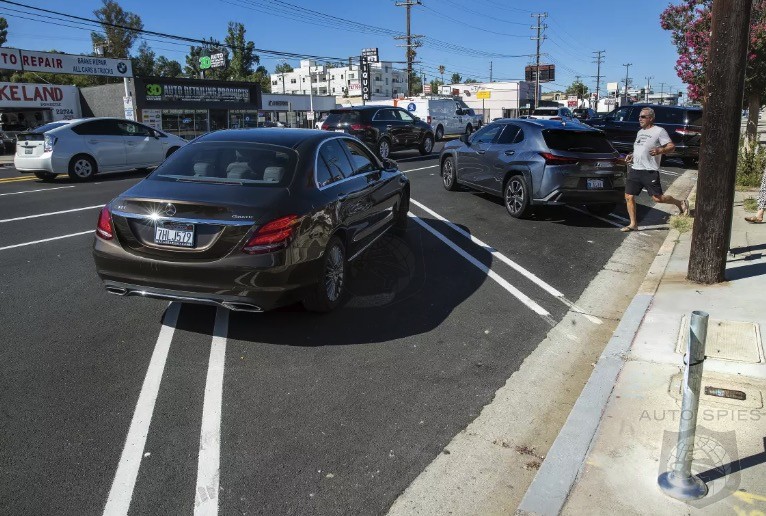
(561, 468)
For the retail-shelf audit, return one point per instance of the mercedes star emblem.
(168, 210)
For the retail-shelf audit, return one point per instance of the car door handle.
(481, 151)
(510, 152)
(131, 144)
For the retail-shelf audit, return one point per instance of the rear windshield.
(577, 141)
(252, 164)
(48, 127)
(694, 117)
(343, 117)
(545, 112)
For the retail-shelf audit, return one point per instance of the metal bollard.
(679, 482)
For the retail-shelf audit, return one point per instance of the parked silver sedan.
(85, 147)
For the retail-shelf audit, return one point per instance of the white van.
(445, 116)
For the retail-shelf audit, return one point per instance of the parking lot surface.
(116, 403)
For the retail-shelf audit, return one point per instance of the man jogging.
(651, 142)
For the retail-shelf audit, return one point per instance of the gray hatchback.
(537, 162)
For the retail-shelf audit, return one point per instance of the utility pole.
(409, 53)
(711, 233)
(599, 58)
(540, 28)
(648, 87)
(627, 68)
(490, 71)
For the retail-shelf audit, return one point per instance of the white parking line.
(124, 482)
(421, 168)
(515, 266)
(616, 224)
(33, 191)
(209, 464)
(623, 219)
(46, 240)
(668, 172)
(51, 213)
(539, 310)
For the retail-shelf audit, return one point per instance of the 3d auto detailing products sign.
(179, 92)
(63, 101)
(29, 61)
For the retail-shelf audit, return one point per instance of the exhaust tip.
(117, 291)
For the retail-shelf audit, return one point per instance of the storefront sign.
(371, 54)
(31, 61)
(152, 118)
(186, 93)
(63, 101)
(278, 103)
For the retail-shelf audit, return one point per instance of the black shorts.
(640, 179)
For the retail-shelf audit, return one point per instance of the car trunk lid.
(30, 145)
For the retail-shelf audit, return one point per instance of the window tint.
(694, 117)
(361, 161)
(343, 117)
(487, 133)
(385, 115)
(621, 115)
(324, 176)
(509, 134)
(406, 117)
(546, 112)
(131, 129)
(335, 157)
(577, 141)
(669, 116)
(633, 114)
(251, 164)
(98, 127)
(48, 127)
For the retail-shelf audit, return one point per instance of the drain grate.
(727, 340)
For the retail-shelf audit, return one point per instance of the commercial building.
(505, 99)
(24, 106)
(341, 81)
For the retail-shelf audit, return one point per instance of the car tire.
(449, 174)
(45, 176)
(82, 168)
(427, 145)
(383, 148)
(171, 151)
(330, 290)
(516, 197)
(468, 130)
(439, 133)
(601, 210)
(401, 219)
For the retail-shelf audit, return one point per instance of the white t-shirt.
(646, 140)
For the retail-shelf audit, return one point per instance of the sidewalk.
(6, 160)
(613, 469)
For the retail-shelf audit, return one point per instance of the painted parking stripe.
(209, 464)
(124, 482)
(532, 305)
(46, 240)
(515, 266)
(421, 168)
(16, 179)
(34, 191)
(613, 223)
(623, 219)
(51, 213)
(668, 172)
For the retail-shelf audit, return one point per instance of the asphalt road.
(112, 402)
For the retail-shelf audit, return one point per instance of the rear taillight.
(104, 227)
(688, 132)
(325, 127)
(360, 127)
(552, 159)
(428, 119)
(272, 236)
(48, 143)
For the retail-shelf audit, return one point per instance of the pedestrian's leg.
(669, 199)
(630, 201)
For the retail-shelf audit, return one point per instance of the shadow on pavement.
(745, 271)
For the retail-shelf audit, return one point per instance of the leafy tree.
(165, 67)
(416, 85)
(261, 76)
(456, 78)
(144, 62)
(243, 57)
(283, 68)
(442, 69)
(471, 81)
(577, 88)
(690, 25)
(116, 41)
(435, 85)
(3, 31)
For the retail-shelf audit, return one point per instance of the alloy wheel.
(449, 173)
(428, 145)
(334, 273)
(83, 168)
(514, 195)
(383, 149)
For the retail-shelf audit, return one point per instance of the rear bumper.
(576, 196)
(44, 163)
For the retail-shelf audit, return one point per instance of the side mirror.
(389, 164)
(156, 134)
(459, 112)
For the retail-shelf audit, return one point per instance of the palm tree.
(442, 69)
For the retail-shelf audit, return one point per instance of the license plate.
(27, 151)
(175, 234)
(595, 184)
(340, 130)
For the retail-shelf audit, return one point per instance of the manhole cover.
(727, 340)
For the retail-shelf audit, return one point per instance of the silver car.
(86, 147)
(537, 162)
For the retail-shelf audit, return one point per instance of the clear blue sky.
(628, 31)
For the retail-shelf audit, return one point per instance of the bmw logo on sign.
(122, 67)
(411, 106)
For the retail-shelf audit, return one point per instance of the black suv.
(683, 124)
(584, 114)
(382, 128)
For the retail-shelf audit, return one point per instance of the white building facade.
(342, 81)
(505, 99)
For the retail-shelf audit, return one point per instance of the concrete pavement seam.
(563, 464)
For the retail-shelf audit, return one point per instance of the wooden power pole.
(720, 138)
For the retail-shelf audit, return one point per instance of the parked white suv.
(553, 113)
(86, 147)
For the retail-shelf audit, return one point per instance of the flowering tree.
(690, 22)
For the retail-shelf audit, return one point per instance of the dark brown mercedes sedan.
(251, 219)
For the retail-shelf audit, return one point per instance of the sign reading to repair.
(46, 62)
